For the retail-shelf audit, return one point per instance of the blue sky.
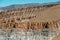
(10, 2)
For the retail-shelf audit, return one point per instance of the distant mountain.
(19, 6)
(26, 5)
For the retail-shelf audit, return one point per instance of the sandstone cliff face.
(23, 18)
(30, 23)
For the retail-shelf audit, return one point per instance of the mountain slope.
(27, 5)
(19, 6)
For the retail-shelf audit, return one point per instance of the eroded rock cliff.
(30, 23)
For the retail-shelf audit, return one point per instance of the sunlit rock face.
(29, 35)
(31, 23)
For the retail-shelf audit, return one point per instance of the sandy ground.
(50, 14)
(57, 37)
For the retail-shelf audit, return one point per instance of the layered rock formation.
(31, 23)
(30, 16)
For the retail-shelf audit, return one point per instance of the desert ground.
(42, 22)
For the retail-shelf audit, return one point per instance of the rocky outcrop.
(23, 18)
(29, 23)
